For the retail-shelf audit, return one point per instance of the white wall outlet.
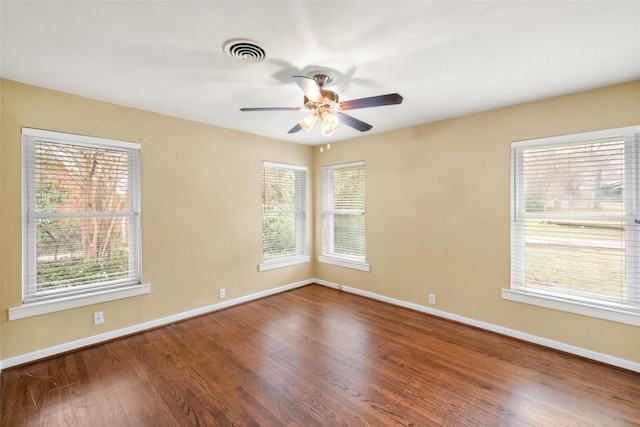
(432, 298)
(223, 293)
(98, 317)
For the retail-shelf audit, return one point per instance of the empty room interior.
(320, 213)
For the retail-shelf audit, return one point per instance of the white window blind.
(283, 210)
(343, 211)
(81, 221)
(575, 233)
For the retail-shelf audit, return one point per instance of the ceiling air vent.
(244, 50)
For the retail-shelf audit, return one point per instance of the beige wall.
(1, 223)
(201, 213)
(437, 213)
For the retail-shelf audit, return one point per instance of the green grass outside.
(578, 268)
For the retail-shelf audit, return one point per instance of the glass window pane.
(578, 257)
(577, 179)
(348, 234)
(279, 234)
(71, 178)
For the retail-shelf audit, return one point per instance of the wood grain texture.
(318, 357)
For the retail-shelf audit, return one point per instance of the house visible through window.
(81, 215)
(343, 215)
(574, 228)
(283, 215)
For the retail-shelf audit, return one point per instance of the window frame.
(301, 255)
(34, 302)
(599, 307)
(328, 254)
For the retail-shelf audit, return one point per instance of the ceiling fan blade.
(309, 87)
(273, 109)
(296, 128)
(374, 101)
(353, 122)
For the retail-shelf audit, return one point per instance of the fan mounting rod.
(321, 80)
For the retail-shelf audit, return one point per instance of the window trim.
(327, 255)
(301, 256)
(577, 307)
(343, 262)
(592, 307)
(283, 262)
(90, 295)
(67, 302)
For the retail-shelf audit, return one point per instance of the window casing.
(284, 214)
(81, 216)
(575, 236)
(343, 215)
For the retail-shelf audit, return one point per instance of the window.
(575, 223)
(81, 216)
(343, 215)
(283, 215)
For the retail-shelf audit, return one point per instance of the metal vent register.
(244, 50)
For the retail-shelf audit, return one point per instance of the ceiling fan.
(323, 104)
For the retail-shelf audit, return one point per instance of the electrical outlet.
(98, 317)
(223, 293)
(432, 298)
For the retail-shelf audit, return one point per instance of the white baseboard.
(579, 351)
(96, 339)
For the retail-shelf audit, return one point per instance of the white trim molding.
(96, 339)
(576, 307)
(65, 303)
(141, 327)
(283, 262)
(567, 348)
(356, 265)
(79, 139)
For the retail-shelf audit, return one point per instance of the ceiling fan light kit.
(329, 122)
(324, 104)
(307, 123)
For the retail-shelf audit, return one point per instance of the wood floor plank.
(316, 356)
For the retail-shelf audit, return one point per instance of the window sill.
(65, 303)
(283, 262)
(344, 263)
(582, 308)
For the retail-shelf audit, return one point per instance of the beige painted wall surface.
(438, 213)
(1, 254)
(201, 213)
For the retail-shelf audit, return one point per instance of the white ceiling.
(446, 58)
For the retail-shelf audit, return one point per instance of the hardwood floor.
(315, 356)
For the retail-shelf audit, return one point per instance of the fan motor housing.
(329, 94)
(330, 97)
